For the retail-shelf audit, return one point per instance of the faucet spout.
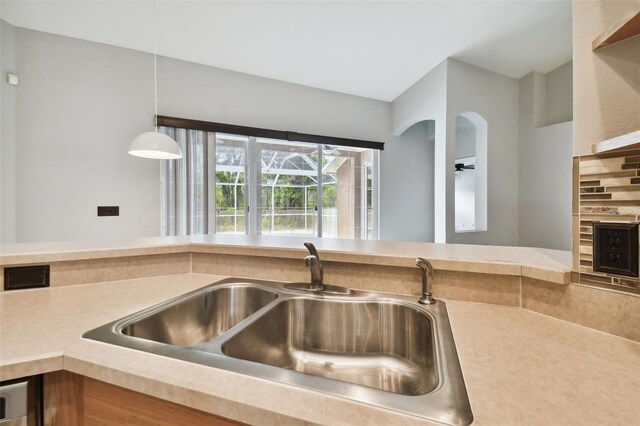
(427, 272)
(312, 261)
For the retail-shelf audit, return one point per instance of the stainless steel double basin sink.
(380, 349)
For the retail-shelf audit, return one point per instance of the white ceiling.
(370, 49)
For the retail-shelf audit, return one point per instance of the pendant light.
(155, 145)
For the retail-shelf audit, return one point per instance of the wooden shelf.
(620, 31)
(620, 143)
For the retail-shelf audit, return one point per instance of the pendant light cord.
(155, 69)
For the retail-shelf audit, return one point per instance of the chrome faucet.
(317, 286)
(312, 261)
(427, 272)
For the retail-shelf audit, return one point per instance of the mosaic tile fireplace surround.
(606, 188)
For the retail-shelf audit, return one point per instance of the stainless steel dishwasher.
(21, 402)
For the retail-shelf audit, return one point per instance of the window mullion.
(252, 209)
(210, 168)
(319, 192)
(375, 196)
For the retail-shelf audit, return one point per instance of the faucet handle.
(310, 259)
(312, 249)
(313, 263)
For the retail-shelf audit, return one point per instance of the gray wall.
(559, 95)
(523, 161)
(213, 94)
(7, 136)
(406, 185)
(67, 127)
(545, 188)
(80, 103)
(495, 98)
(545, 159)
(427, 100)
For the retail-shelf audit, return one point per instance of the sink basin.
(379, 349)
(201, 317)
(383, 345)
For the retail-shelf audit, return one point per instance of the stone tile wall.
(608, 189)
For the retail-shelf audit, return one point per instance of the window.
(230, 183)
(236, 184)
(288, 187)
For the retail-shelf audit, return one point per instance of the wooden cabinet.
(74, 400)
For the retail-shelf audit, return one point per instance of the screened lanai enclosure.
(234, 184)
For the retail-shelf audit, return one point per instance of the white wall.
(426, 100)
(80, 103)
(559, 94)
(7, 136)
(78, 106)
(212, 94)
(495, 98)
(465, 180)
(514, 174)
(545, 190)
(465, 200)
(465, 138)
(407, 182)
(545, 159)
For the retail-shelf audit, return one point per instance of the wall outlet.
(21, 277)
(615, 248)
(108, 210)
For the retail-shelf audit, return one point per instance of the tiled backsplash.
(609, 190)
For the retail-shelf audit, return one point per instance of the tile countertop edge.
(559, 274)
(90, 254)
(379, 259)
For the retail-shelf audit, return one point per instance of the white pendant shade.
(155, 145)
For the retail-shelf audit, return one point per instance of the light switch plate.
(108, 210)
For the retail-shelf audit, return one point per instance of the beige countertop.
(544, 264)
(520, 368)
